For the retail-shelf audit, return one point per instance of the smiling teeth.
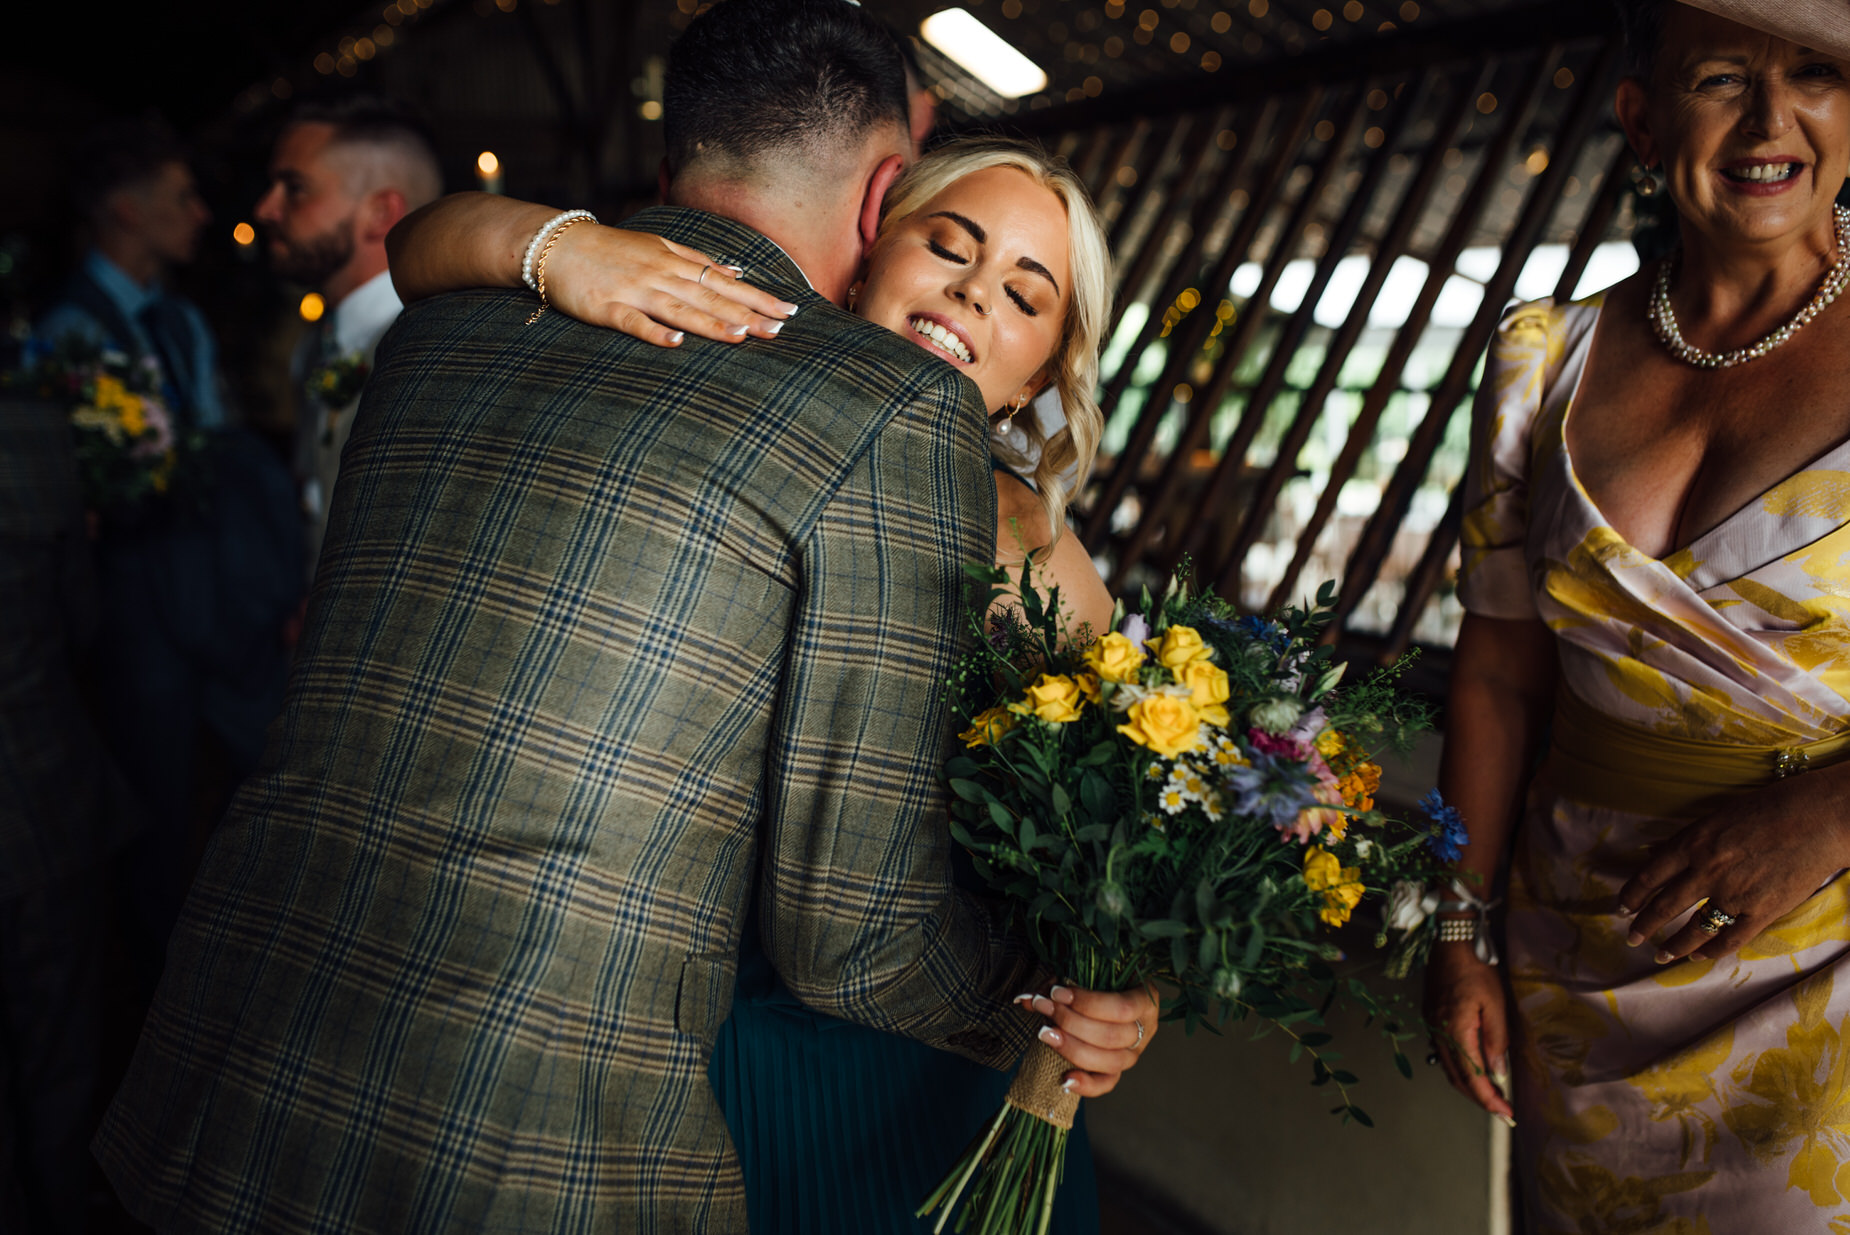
(1766, 172)
(942, 337)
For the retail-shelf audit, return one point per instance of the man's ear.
(379, 213)
(1630, 105)
(875, 197)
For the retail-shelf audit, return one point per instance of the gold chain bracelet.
(539, 265)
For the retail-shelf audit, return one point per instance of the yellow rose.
(1180, 645)
(1053, 698)
(1341, 885)
(134, 421)
(1165, 724)
(1209, 684)
(987, 727)
(110, 392)
(1114, 658)
(1088, 686)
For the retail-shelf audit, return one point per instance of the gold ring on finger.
(1711, 920)
(702, 280)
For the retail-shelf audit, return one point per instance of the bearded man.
(341, 175)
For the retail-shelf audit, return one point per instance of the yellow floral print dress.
(1699, 1097)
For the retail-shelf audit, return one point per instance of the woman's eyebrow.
(982, 237)
(970, 225)
(1034, 267)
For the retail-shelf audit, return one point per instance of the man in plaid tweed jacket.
(608, 643)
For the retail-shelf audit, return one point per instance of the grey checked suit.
(603, 637)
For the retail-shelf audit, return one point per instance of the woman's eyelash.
(1021, 302)
(945, 253)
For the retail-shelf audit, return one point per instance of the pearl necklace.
(1664, 318)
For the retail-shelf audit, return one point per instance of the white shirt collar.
(364, 315)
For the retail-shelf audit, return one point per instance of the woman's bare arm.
(1022, 525)
(1502, 694)
(642, 285)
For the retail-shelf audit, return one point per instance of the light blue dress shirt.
(65, 319)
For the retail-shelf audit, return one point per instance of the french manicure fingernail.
(737, 272)
(773, 328)
(675, 336)
(788, 310)
(1050, 1035)
(1026, 997)
(1061, 994)
(737, 332)
(1067, 1085)
(1044, 1006)
(1663, 957)
(1634, 939)
(1507, 1121)
(1625, 911)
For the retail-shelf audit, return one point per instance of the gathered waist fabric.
(1601, 761)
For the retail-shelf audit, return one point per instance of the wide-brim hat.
(1822, 25)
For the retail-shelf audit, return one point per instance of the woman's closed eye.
(940, 251)
(1021, 302)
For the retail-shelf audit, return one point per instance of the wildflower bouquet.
(128, 448)
(1188, 799)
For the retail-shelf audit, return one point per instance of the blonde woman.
(991, 257)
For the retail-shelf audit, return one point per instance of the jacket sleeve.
(858, 910)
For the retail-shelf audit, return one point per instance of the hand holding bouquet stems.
(1101, 1034)
(1187, 800)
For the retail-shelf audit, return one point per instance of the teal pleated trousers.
(843, 1130)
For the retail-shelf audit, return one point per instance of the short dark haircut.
(120, 154)
(1641, 23)
(363, 118)
(752, 77)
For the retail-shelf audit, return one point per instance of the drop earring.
(854, 290)
(1644, 181)
(1006, 425)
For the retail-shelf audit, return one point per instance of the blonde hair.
(1074, 363)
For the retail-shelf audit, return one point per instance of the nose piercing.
(980, 310)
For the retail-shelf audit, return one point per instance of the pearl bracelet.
(540, 237)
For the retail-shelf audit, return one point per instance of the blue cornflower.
(1273, 789)
(1448, 835)
(1266, 631)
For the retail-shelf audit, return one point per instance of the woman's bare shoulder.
(1019, 513)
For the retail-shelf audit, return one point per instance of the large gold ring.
(702, 280)
(1711, 920)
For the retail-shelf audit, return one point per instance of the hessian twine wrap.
(1036, 1088)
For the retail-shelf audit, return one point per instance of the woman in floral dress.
(1656, 573)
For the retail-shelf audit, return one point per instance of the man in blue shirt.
(189, 654)
(134, 188)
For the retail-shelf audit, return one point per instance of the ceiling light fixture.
(983, 53)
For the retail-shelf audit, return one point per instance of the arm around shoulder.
(858, 910)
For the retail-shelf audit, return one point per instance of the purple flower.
(1135, 628)
(1274, 789)
(1447, 836)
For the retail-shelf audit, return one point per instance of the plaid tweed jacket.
(63, 806)
(604, 637)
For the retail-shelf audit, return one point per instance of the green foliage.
(1216, 871)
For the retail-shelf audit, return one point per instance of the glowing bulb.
(244, 234)
(312, 307)
(983, 53)
(486, 164)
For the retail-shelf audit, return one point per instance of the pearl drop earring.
(1006, 425)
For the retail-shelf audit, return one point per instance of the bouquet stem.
(1013, 1170)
